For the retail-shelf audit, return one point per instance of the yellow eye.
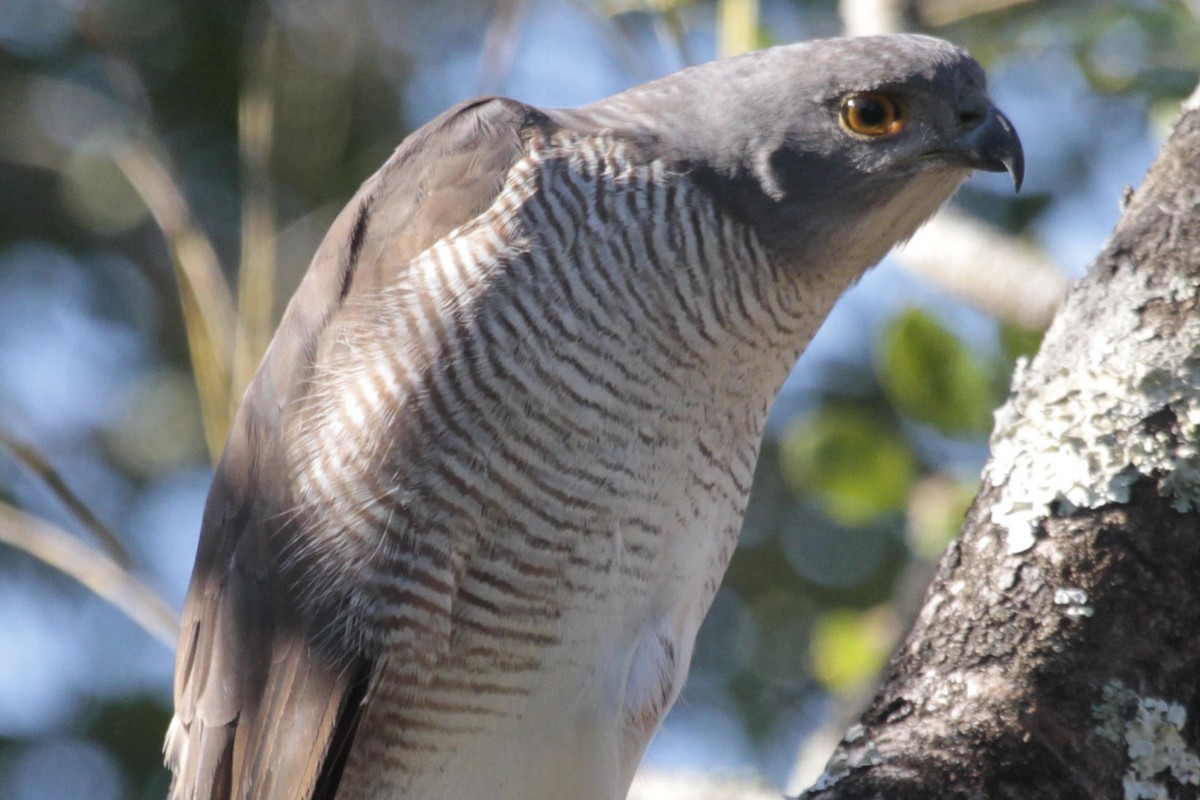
(871, 114)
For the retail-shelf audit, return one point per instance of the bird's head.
(847, 143)
(888, 106)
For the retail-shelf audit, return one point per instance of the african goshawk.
(480, 494)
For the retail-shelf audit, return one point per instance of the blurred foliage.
(849, 648)
(122, 726)
(136, 133)
(936, 508)
(853, 457)
(932, 376)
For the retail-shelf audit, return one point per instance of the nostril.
(969, 120)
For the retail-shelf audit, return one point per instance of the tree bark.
(1057, 654)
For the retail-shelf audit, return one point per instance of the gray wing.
(264, 706)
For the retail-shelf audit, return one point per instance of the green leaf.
(854, 459)
(932, 377)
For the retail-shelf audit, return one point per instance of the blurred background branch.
(1004, 276)
(204, 296)
(500, 44)
(738, 27)
(39, 466)
(91, 567)
(660, 785)
(256, 292)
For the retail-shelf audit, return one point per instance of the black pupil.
(871, 113)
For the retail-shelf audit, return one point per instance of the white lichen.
(1075, 602)
(1127, 408)
(1151, 730)
(1070, 596)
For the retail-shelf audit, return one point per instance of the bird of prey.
(483, 488)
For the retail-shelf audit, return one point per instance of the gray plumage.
(484, 486)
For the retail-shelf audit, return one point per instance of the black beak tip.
(1006, 150)
(995, 147)
(1014, 159)
(1015, 164)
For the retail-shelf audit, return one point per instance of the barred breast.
(531, 458)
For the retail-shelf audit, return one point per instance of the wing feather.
(265, 708)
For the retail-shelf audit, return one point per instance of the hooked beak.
(992, 145)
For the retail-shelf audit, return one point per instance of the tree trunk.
(1057, 654)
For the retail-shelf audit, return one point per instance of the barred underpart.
(557, 366)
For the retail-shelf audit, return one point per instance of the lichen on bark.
(1079, 434)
